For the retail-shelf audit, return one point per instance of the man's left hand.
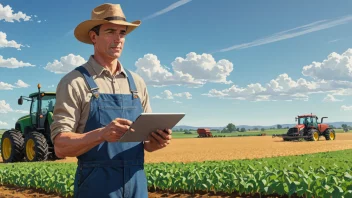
(158, 140)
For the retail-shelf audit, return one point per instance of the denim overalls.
(111, 169)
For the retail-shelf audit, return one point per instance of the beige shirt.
(73, 96)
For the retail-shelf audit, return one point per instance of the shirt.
(72, 105)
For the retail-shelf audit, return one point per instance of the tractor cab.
(307, 121)
(41, 108)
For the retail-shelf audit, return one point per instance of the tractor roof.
(307, 115)
(42, 92)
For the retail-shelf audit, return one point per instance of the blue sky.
(245, 62)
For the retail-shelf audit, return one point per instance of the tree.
(262, 129)
(243, 129)
(231, 127)
(279, 126)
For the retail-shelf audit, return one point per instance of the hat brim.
(82, 30)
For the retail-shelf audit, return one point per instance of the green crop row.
(319, 175)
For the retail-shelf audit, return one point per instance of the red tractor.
(309, 129)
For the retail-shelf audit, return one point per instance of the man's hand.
(115, 130)
(158, 140)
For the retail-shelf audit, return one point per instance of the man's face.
(110, 41)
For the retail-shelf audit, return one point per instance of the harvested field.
(201, 149)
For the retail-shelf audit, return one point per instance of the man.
(96, 103)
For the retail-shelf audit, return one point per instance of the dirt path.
(200, 149)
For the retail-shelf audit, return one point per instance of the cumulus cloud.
(66, 64)
(3, 124)
(331, 98)
(5, 43)
(13, 63)
(334, 67)
(5, 108)
(167, 94)
(283, 87)
(21, 84)
(8, 15)
(193, 70)
(7, 86)
(346, 108)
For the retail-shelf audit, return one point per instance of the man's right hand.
(115, 130)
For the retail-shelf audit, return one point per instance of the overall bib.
(111, 169)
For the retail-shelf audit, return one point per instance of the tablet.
(147, 123)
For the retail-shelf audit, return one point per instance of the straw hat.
(105, 13)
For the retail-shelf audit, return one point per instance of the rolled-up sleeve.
(67, 109)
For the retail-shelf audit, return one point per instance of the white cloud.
(7, 86)
(66, 64)
(167, 94)
(331, 98)
(22, 111)
(168, 9)
(13, 63)
(187, 95)
(346, 108)
(335, 67)
(8, 15)
(21, 84)
(287, 89)
(291, 33)
(281, 88)
(193, 71)
(3, 124)
(5, 108)
(5, 43)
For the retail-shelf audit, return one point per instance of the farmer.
(96, 103)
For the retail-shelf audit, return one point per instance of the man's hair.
(96, 29)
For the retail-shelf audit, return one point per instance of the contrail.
(167, 9)
(291, 33)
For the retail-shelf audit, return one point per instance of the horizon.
(247, 64)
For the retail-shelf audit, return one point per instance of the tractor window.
(48, 103)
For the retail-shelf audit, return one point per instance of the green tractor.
(30, 140)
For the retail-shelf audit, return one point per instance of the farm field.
(217, 149)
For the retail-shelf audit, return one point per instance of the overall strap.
(92, 86)
(131, 83)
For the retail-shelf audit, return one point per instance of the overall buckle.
(134, 94)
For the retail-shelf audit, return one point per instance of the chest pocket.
(112, 109)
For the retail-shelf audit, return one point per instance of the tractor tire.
(313, 135)
(36, 148)
(330, 134)
(12, 146)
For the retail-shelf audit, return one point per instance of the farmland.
(219, 165)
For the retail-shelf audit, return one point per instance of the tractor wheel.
(330, 134)
(36, 147)
(314, 135)
(12, 146)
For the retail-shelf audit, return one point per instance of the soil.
(202, 149)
